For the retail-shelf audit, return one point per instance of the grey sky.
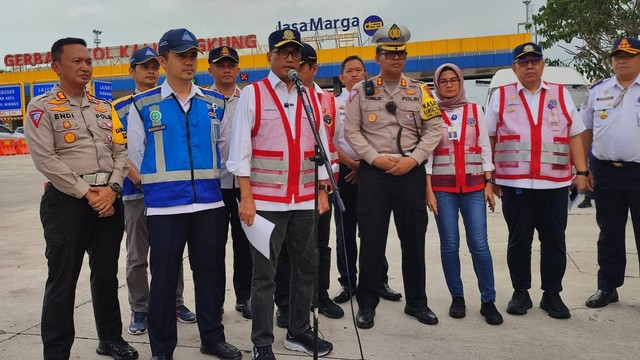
(29, 26)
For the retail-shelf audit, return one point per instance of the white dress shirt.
(616, 129)
(137, 143)
(240, 147)
(341, 102)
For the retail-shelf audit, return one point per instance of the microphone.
(295, 77)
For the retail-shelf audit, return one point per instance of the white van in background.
(569, 77)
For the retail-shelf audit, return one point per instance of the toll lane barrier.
(22, 147)
(7, 147)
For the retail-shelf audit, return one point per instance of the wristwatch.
(325, 187)
(490, 181)
(116, 187)
(583, 173)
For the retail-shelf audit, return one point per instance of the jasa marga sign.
(320, 24)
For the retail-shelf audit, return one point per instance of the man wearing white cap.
(393, 124)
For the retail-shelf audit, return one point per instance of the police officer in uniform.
(612, 117)
(223, 68)
(69, 134)
(393, 124)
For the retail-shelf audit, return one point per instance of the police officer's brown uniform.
(70, 143)
(392, 122)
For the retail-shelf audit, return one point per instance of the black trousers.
(616, 194)
(71, 228)
(544, 210)
(242, 263)
(380, 194)
(168, 234)
(283, 272)
(346, 233)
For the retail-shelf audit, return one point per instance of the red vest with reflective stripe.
(525, 150)
(328, 104)
(280, 167)
(457, 167)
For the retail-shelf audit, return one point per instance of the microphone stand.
(319, 158)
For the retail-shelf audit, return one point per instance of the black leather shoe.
(117, 349)
(282, 316)
(330, 309)
(161, 357)
(223, 350)
(520, 302)
(586, 203)
(457, 310)
(364, 319)
(602, 298)
(344, 295)
(244, 306)
(388, 293)
(490, 313)
(553, 305)
(422, 313)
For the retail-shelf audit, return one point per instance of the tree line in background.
(592, 26)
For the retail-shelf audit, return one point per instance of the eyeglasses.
(284, 53)
(529, 60)
(394, 54)
(452, 81)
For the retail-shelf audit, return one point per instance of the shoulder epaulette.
(597, 82)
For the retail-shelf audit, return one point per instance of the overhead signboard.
(11, 100)
(102, 90)
(38, 89)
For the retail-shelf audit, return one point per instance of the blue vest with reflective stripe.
(181, 164)
(121, 107)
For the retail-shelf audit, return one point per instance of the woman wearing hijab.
(460, 180)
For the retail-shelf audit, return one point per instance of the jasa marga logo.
(319, 24)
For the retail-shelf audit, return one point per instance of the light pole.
(96, 38)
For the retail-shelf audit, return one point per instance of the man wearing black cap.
(271, 142)
(173, 139)
(326, 306)
(223, 68)
(144, 68)
(534, 129)
(612, 117)
(392, 177)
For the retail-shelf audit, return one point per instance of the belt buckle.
(617, 164)
(102, 178)
(89, 179)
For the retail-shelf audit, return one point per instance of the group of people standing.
(189, 161)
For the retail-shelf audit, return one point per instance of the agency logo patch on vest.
(471, 121)
(155, 116)
(328, 119)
